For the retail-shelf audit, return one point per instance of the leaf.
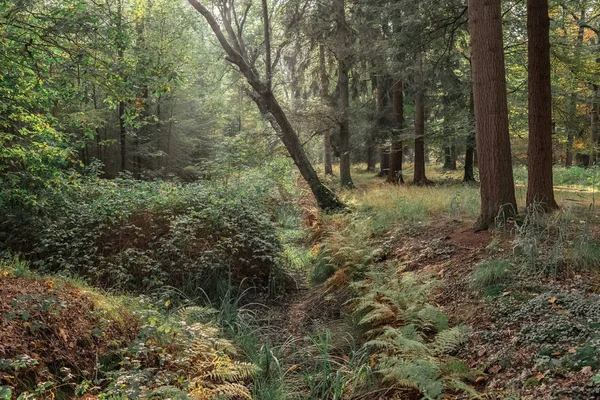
(552, 300)
(63, 334)
(5, 393)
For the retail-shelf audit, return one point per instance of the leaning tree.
(245, 59)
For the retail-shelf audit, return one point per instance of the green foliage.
(491, 273)
(409, 337)
(142, 235)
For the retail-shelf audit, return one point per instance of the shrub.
(141, 235)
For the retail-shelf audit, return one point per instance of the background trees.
(141, 87)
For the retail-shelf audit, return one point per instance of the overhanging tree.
(234, 46)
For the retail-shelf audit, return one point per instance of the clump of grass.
(585, 255)
(16, 267)
(491, 273)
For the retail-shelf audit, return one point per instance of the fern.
(450, 340)
(196, 314)
(409, 338)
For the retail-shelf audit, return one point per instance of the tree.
(325, 98)
(342, 55)
(539, 167)
(491, 112)
(395, 162)
(470, 148)
(264, 98)
(419, 177)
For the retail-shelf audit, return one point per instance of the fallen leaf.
(572, 350)
(63, 334)
(479, 379)
(552, 300)
(495, 369)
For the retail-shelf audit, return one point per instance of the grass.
(491, 273)
(450, 198)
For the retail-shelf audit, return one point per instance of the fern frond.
(196, 314)
(450, 340)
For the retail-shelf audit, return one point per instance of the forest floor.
(528, 296)
(534, 333)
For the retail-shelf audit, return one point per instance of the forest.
(299, 199)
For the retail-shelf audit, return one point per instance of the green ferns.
(409, 339)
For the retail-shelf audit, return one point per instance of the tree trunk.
(343, 86)
(470, 150)
(371, 162)
(419, 177)
(539, 152)
(469, 159)
(272, 111)
(395, 171)
(325, 98)
(491, 113)
(448, 159)
(384, 161)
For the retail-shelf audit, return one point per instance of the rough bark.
(539, 152)
(449, 158)
(419, 177)
(491, 113)
(273, 112)
(343, 86)
(325, 98)
(395, 158)
(470, 147)
(384, 161)
(371, 162)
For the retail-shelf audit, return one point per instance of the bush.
(137, 235)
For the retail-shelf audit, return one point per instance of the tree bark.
(384, 161)
(271, 109)
(470, 150)
(491, 113)
(539, 152)
(395, 171)
(325, 98)
(419, 177)
(344, 99)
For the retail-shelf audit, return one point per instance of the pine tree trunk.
(419, 177)
(384, 161)
(395, 171)
(539, 153)
(469, 160)
(371, 162)
(344, 99)
(470, 148)
(491, 113)
(325, 98)
(447, 159)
